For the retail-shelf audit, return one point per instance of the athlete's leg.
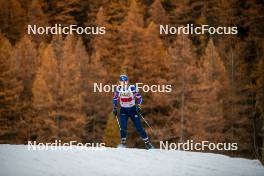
(123, 125)
(136, 120)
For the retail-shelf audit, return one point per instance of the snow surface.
(18, 160)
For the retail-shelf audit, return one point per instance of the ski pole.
(118, 123)
(147, 123)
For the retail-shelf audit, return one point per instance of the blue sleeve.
(136, 94)
(115, 98)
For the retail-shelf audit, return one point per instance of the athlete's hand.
(115, 112)
(138, 109)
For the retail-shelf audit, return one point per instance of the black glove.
(138, 109)
(115, 112)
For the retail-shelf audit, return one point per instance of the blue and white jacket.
(127, 96)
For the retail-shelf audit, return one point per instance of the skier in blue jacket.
(130, 101)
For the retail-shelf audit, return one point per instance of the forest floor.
(18, 160)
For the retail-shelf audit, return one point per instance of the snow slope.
(18, 160)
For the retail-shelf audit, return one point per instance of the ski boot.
(148, 145)
(122, 144)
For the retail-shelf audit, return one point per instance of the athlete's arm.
(139, 98)
(115, 99)
(137, 95)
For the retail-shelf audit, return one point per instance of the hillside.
(17, 160)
